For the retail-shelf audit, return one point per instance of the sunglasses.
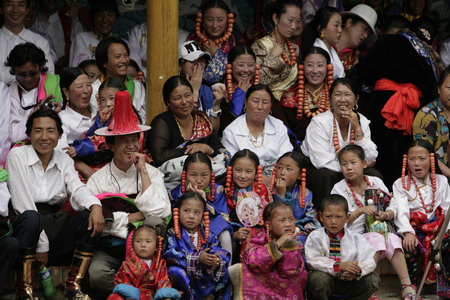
(29, 74)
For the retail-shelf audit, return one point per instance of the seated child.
(246, 196)
(198, 265)
(341, 261)
(421, 198)
(289, 180)
(143, 275)
(198, 175)
(368, 218)
(272, 263)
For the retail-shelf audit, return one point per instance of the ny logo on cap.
(191, 47)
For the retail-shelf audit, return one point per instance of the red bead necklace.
(204, 39)
(355, 198)
(290, 47)
(230, 86)
(336, 138)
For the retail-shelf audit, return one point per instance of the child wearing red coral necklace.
(358, 189)
(421, 198)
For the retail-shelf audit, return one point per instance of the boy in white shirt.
(341, 260)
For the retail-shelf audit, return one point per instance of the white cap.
(191, 51)
(365, 12)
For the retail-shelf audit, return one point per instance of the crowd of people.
(284, 167)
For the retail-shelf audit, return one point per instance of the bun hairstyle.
(176, 218)
(229, 183)
(202, 158)
(171, 84)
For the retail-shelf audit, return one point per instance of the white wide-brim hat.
(365, 12)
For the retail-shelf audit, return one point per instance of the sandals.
(409, 296)
(374, 297)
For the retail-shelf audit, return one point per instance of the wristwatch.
(215, 114)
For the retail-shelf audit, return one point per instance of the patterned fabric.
(135, 272)
(427, 231)
(335, 245)
(349, 57)
(424, 50)
(430, 125)
(187, 274)
(202, 128)
(269, 273)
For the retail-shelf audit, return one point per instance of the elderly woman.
(358, 26)
(431, 123)
(180, 131)
(32, 87)
(257, 131)
(328, 132)
(275, 54)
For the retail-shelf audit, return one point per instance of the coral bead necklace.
(291, 50)
(336, 138)
(355, 198)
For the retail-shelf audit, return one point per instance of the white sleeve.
(78, 51)
(284, 144)
(4, 199)
(315, 256)
(140, 101)
(319, 150)
(229, 141)
(5, 143)
(400, 203)
(365, 255)
(154, 201)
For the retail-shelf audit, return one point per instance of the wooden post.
(162, 51)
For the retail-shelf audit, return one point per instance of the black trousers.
(9, 247)
(63, 240)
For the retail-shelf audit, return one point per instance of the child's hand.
(410, 242)
(242, 233)
(368, 210)
(349, 267)
(105, 114)
(70, 151)
(348, 276)
(284, 238)
(281, 187)
(209, 259)
(382, 216)
(192, 188)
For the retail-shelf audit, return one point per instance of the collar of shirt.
(11, 35)
(74, 117)
(242, 128)
(32, 158)
(131, 172)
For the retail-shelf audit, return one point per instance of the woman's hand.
(242, 234)
(211, 47)
(199, 147)
(352, 117)
(244, 85)
(410, 242)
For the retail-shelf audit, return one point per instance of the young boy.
(341, 260)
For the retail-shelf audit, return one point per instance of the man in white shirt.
(128, 174)
(13, 33)
(41, 179)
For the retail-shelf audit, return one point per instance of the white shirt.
(74, 125)
(9, 40)
(154, 201)
(341, 188)
(409, 201)
(444, 52)
(354, 247)
(19, 115)
(4, 199)
(338, 67)
(5, 119)
(139, 100)
(83, 48)
(318, 144)
(237, 137)
(53, 27)
(29, 184)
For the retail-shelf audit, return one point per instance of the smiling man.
(129, 175)
(13, 33)
(41, 179)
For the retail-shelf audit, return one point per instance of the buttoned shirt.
(74, 125)
(29, 183)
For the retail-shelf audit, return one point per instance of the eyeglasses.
(29, 74)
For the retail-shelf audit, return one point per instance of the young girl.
(272, 263)
(421, 198)
(197, 175)
(243, 181)
(358, 189)
(289, 181)
(198, 265)
(143, 274)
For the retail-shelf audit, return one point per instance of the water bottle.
(47, 282)
(370, 219)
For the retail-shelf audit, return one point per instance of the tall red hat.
(124, 120)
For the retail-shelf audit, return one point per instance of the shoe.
(409, 296)
(374, 297)
(80, 263)
(25, 274)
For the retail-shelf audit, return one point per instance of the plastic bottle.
(370, 219)
(47, 282)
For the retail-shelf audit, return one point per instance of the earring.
(322, 36)
(168, 107)
(268, 235)
(355, 108)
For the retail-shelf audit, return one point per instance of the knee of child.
(319, 281)
(372, 281)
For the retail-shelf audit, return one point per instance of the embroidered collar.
(338, 236)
